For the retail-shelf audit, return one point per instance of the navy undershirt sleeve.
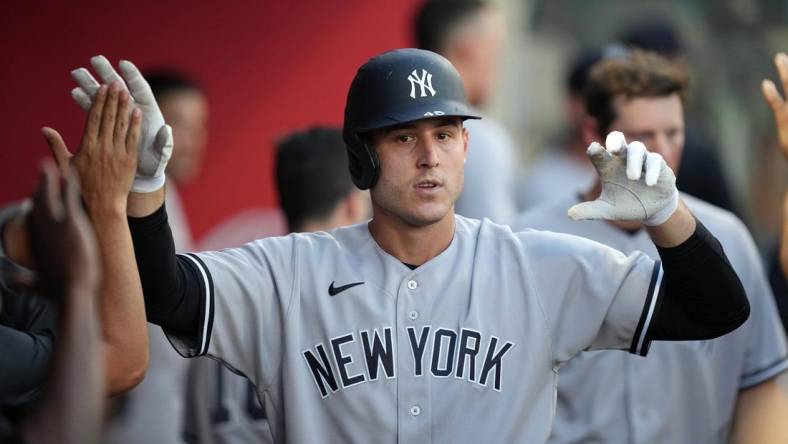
(701, 296)
(171, 284)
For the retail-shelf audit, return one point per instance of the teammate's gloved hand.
(636, 184)
(156, 143)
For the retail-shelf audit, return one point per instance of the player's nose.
(428, 153)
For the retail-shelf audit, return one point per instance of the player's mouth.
(428, 186)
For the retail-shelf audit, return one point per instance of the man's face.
(658, 122)
(421, 170)
(477, 52)
(187, 113)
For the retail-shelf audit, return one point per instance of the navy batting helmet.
(397, 87)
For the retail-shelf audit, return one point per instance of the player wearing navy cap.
(421, 325)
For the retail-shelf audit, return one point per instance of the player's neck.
(412, 244)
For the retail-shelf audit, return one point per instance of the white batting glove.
(156, 139)
(628, 193)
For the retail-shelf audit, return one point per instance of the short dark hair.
(312, 174)
(579, 68)
(436, 19)
(653, 34)
(163, 81)
(640, 74)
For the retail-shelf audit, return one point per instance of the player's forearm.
(121, 305)
(71, 409)
(677, 229)
(761, 413)
(170, 284)
(702, 297)
(144, 204)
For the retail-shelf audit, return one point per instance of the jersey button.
(413, 315)
(413, 284)
(415, 410)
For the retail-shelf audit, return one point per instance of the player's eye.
(405, 138)
(645, 138)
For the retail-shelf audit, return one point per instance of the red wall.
(268, 67)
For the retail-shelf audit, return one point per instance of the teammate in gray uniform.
(316, 193)
(685, 392)
(421, 325)
(222, 407)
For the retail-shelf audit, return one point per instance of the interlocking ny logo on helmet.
(379, 97)
(425, 82)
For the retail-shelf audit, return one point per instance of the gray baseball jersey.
(684, 391)
(222, 407)
(347, 344)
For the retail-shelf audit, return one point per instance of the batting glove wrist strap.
(152, 162)
(147, 184)
(663, 214)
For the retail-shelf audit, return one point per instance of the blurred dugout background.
(729, 46)
(269, 67)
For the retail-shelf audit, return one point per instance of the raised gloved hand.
(156, 142)
(636, 184)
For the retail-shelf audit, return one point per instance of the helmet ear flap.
(363, 163)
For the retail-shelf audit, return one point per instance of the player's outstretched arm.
(106, 162)
(64, 250)
(170, 284)
(701, 295)
(780, 110)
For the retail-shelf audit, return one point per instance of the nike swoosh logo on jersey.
(333, 291)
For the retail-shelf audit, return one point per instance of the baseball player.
(122, 343)
(185, 106)
(68, 266)
(56, 238)
(424, 326)
(694, 391)
(315, 193)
